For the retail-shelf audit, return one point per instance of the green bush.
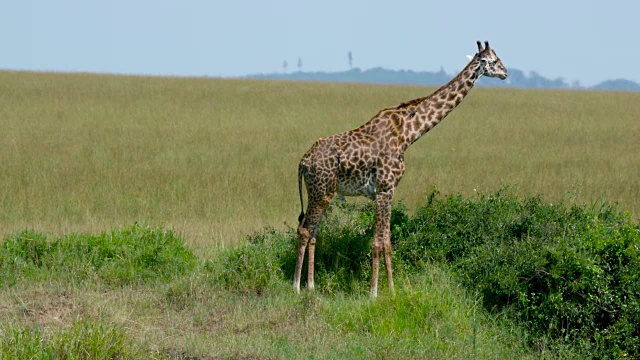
(253, 267)
(570, 276)
(119, 257)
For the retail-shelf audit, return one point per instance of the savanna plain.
(148, 217)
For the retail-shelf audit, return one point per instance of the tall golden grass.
(217, 159)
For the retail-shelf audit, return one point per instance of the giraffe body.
(369, 161)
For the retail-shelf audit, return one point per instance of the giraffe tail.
(301, 216)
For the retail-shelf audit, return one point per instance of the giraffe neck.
(425, 113)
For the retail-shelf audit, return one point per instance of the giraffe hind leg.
(307, 231)
(303, 240)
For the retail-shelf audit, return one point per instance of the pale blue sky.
(590, 41)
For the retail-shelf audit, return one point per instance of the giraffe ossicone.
(369, 161)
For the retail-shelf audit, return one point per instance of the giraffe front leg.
(312, 248)
(381, 241)
(387, 263)
(375, 265)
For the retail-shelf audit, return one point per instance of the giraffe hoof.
(374, 293)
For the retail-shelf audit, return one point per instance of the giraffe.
(369, 161)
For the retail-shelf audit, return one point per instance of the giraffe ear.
(479, 46)
(469, 57)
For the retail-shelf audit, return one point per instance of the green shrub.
(119, 257)
(570, 276)
(253, 267)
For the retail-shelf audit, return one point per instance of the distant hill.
(517, 78)
(618, 84)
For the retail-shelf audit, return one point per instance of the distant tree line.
(517, 78)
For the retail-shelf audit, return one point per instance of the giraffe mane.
(410, 103)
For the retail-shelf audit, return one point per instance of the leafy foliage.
(569, 275)
(254, 267)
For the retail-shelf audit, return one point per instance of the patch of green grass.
(431, 316)
(129, 256)
(85, 339)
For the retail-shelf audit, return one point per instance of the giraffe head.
(490, 63)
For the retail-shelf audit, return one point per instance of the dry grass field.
(217, 159)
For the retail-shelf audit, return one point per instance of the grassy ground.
(67, 301)
(217, 159)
